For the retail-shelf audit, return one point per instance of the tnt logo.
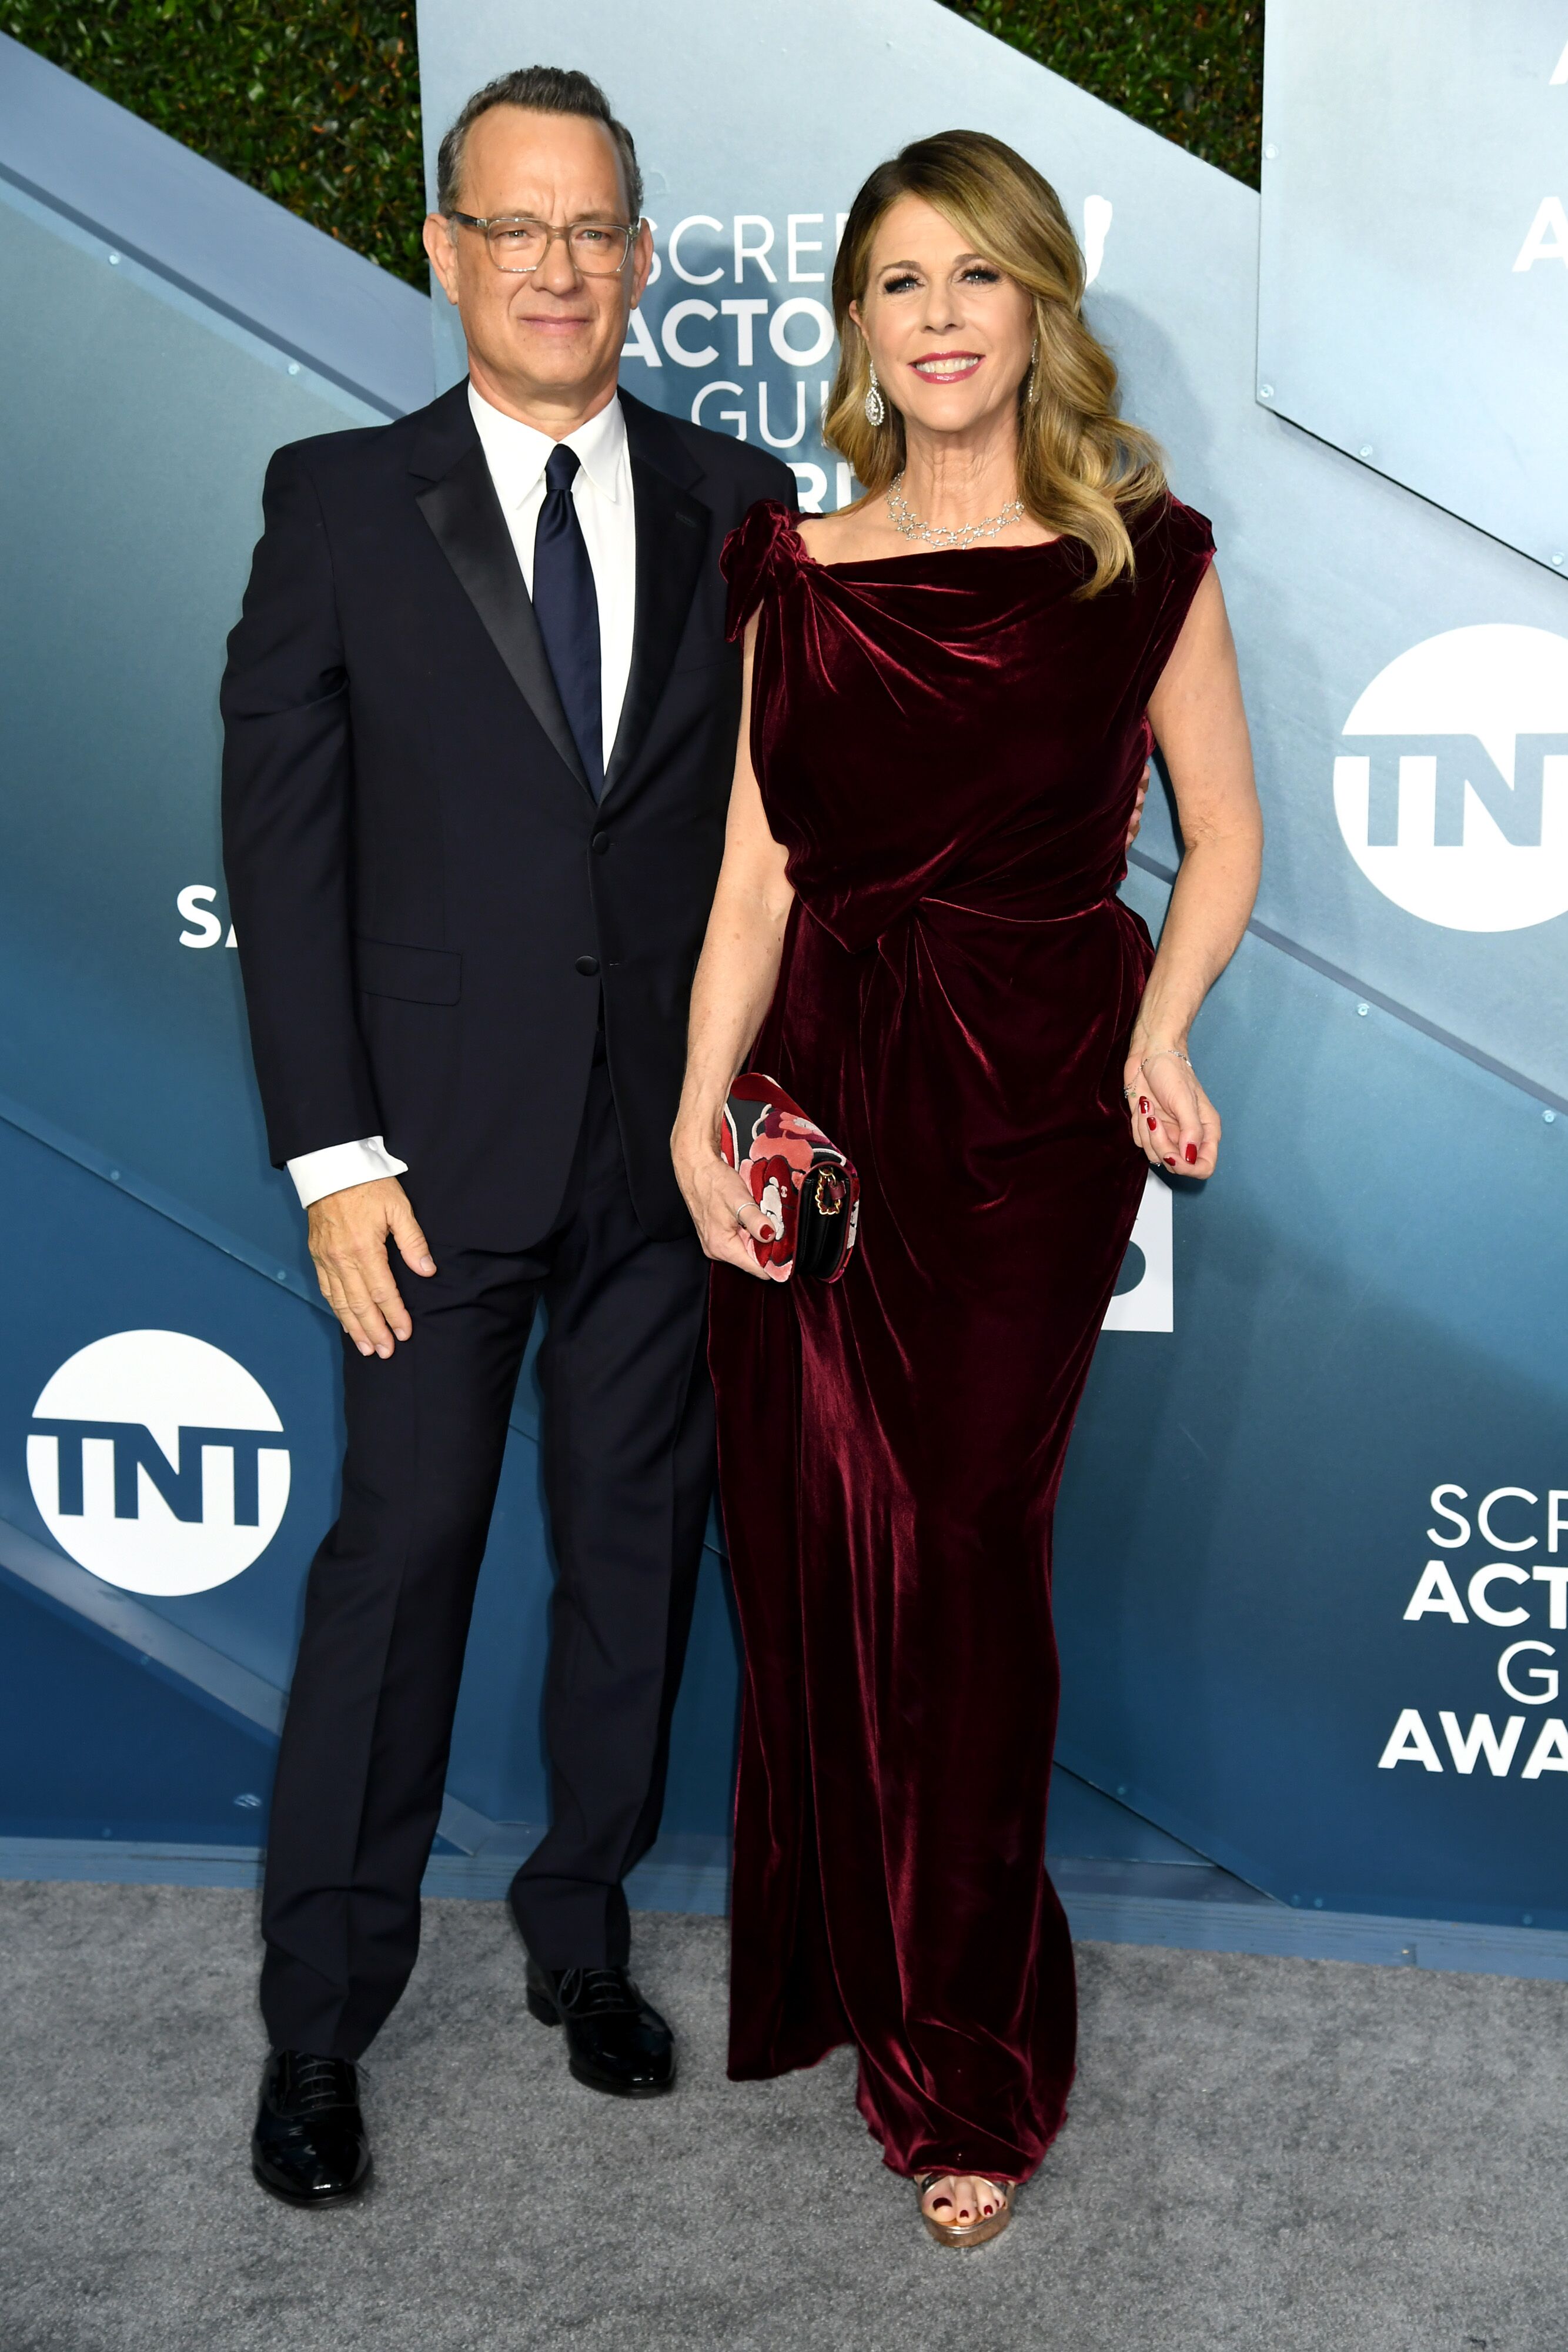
(158, 1463)
(1452, 788)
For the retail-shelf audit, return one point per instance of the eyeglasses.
(598, 248)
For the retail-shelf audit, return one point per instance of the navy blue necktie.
(567, 610)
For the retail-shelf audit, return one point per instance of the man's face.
(549, 339)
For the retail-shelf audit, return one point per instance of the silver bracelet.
(1174, 1051)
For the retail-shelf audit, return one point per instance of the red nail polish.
(1152, 1124)
(1191, 1154)
(1170, 1163)
(1143, 1102)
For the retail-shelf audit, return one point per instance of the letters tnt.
(178, 1482)
(1515, 809)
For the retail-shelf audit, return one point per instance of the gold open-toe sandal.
(984, 2227)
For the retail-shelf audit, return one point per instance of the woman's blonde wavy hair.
(1082, 470)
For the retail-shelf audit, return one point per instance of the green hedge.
(312, 101)
(317, 101)
(1193, 71)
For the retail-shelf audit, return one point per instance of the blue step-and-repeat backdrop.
(1313, 1556)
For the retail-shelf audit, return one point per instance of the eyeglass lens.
(595, 249)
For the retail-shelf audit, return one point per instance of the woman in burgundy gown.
(917, 933)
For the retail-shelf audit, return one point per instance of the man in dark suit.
(480, 720)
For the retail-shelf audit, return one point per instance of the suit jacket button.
(588, 966)
(600, 842)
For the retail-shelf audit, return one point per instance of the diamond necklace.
(935, 534)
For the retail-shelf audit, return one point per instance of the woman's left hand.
(1171, 1118)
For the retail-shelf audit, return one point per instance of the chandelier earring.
(875, 406)
(1031, 381)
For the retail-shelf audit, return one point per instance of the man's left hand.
(1138, 808)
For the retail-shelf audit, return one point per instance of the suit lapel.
(459, 503)
(673, 529)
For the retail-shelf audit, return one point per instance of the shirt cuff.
(317, 1174)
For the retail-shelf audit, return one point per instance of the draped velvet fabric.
(948, 746)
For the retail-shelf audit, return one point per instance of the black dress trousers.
(627, 1442)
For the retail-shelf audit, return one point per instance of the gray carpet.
(1262, 2153)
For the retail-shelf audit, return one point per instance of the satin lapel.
(671, 547)
(464, 515)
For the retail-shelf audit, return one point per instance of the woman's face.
(950, 335)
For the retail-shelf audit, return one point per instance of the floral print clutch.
(805, 1186)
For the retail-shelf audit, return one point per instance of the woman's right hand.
(727, 1217)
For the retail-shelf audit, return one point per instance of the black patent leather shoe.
(614, 2040)
(309, 2144)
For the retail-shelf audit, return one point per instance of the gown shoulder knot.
(764, 540)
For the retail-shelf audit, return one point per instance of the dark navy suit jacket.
(427, 899)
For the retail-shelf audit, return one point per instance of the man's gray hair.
(542, 90)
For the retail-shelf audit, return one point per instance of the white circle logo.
(158, 1463)
(1452, 790)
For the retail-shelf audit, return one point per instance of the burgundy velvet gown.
(948, 745)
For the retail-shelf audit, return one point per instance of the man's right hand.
(348, 1232)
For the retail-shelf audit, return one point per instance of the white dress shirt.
(516, 455)
(601, 490)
